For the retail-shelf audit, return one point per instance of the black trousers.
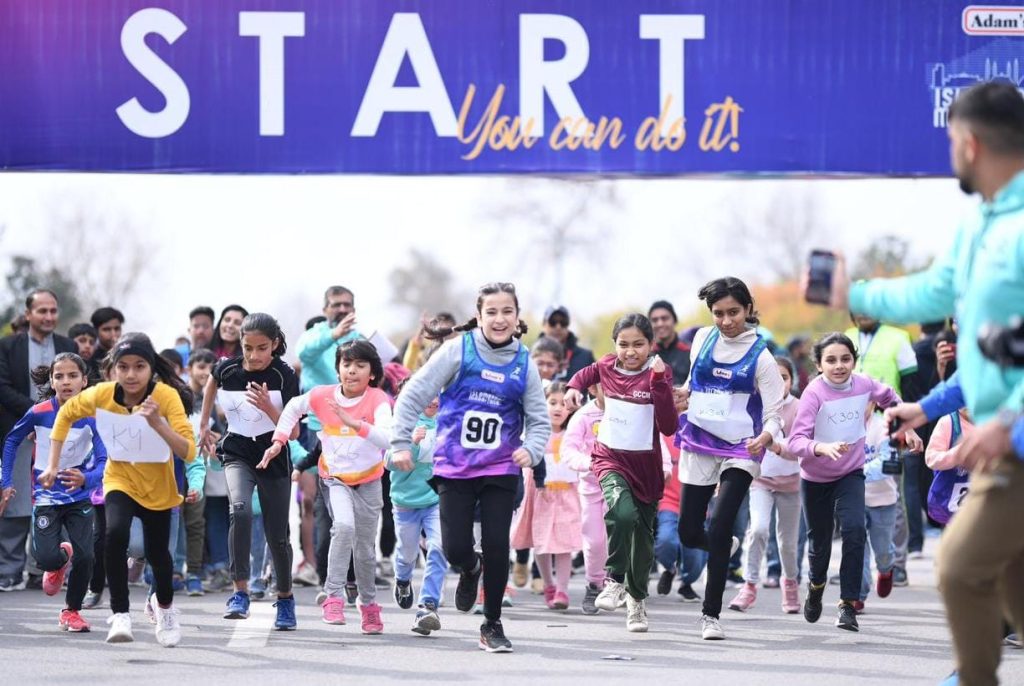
(49, 522)
(495, 496)
(716, 538)
(824, 503)
(156, 532)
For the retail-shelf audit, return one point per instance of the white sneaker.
(612, 597)
(735, 546)
(636, 615)
(150, 604)
(168, 628)
(711, 629)
(120, 628)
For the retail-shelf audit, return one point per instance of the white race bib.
(627, 426)
(957, 495)
(559, 471)
(481, 430)
(244, 418)
(722, 414)
(130, 438)
(76, 447)
(842, 420)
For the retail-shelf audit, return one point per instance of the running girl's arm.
(296, 408)
(195, 474)
(664, 404)
(308, 460)
(801, 442)
(940, 453)
(378, 433)
(177, 431)
(422, 387)
(772, 390)
(21, 430)
(209, 396)
(535, 409)
(574, 442)
(884, 396)
(585, 378)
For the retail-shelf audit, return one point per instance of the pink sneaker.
(561, 601)
(333, 611)
(745, 599)
(52, 581)
(790, 596)
(549, 597)
(71, 621)
(372, 623)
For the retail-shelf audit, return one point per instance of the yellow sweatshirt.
(151, 485)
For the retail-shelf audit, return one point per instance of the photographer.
(980, 280)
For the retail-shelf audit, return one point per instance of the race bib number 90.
(481, 430)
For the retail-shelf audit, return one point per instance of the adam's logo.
(720, 373)
(496, 377)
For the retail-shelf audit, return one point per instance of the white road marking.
(254, 631)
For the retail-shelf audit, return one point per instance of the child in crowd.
(417, 513)
(628, 458)
(549, 518)
(355, 416)
(64, 508)
(778, 488)
(881, 495)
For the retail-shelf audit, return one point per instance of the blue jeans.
(672, 554)
(408, 525)
(880, 522)
(217, 523)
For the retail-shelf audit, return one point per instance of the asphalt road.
(903, 640)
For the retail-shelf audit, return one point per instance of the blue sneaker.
(177, 583)
(285, 614)
(194, 585)
(238, 606)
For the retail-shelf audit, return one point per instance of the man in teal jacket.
(979, 280)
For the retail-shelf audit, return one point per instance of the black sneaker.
(688, 594)
(426, 619)
(578, 562)
(735, 578)
(589, 606)
(492, 638)
(351, 593)
(466, 591)
(812, 606)
(403, 594)
(34, 583)
(665, 582)
(847, 618)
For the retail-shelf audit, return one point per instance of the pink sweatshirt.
(939, 455)
(578, 443)
(786, 463)
(828, 413)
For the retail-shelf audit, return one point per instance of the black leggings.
(156, 532)
(99, 536)
(50, 523)
(459, 499)
(387, 519)
(717, 538)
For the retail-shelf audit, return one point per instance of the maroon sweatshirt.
(638, 407)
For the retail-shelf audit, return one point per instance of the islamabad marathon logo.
(1001, 59)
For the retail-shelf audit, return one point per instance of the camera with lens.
(1004, 345)
(892, 465)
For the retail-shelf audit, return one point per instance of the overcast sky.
(274, 243)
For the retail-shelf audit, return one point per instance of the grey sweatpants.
(355, 511)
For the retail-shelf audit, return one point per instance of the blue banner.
(493, 86)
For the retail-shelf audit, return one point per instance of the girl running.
(777, 488)
(417, 514)
(627, 458)
(578, 446)
(735, 395)
(491, 395)
(828, 437)
(549, 518)
(66, 507)
(252, 390)
(142, 421)
(355, 416)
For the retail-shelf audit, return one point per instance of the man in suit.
(19, 354)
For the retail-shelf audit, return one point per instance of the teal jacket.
(979, 280)
(410, 489)
(316, 350)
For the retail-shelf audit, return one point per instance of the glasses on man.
(558, 323)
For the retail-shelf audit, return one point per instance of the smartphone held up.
(822, 267)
